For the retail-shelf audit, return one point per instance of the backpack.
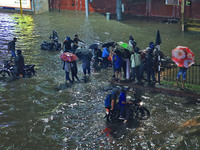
(108, 101)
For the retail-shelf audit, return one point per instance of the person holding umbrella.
(184, 58)
(117, 64)
(67, 59)
(67, 68)
(182, 71)
(86, 59)
(74, 70)
(132, 42)
(105, 56)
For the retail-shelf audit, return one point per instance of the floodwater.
(43, 113)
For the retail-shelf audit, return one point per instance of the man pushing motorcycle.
(19, 64)
(124, 106)
(124, 110)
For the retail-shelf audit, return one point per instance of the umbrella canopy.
(93, 46)
(158, 38)
(69, 57)
(125, 45)
(96, 45)
(82, 52)
(183, 56)
(119, 53)
(108, 44)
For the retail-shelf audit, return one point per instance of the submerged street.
(41, 112)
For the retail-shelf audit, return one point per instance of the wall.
(150, 8)
(41, 6)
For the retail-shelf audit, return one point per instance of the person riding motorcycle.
(54, 36)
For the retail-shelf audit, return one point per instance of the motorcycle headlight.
(141, 103)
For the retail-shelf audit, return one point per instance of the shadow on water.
(116, 131)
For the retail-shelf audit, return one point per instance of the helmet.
(131, 37)
(67, 38)
(19, 52)
(151, 45)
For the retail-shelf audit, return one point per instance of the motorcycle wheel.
(143, 113)
(132, 113)
(112, 117)
(4, 73)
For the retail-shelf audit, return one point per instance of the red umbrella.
(183, 56)
(69, 57)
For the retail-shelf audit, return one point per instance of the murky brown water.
(42, 113)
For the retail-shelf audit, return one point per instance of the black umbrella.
(108, 44)
(158, 42)
(81, 52)
(158, 39)
(119, 53)
(93, 46)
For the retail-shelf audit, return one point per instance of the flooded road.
(43, 113)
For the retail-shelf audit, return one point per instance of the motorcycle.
(8, 69)
(136, 110)
(51, 45)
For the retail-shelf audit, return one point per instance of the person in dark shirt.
(76, 40)
(67, 44)
(124, 106)
(11, 47)
(54, 36)
(19, 63)
(97, 53)
(74, 70)
(149, 62)
(86, 64)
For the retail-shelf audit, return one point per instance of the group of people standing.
(133, 63)
(71, 46)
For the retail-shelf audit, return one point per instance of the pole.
(119, 9)
(59, 5)
(86, 8)
(182, 14)
(20, 6)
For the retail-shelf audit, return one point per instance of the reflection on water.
(43, 113)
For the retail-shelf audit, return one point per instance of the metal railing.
(170, 70)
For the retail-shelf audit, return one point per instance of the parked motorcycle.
(136, 110)
(9, 70)
(51, 45)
